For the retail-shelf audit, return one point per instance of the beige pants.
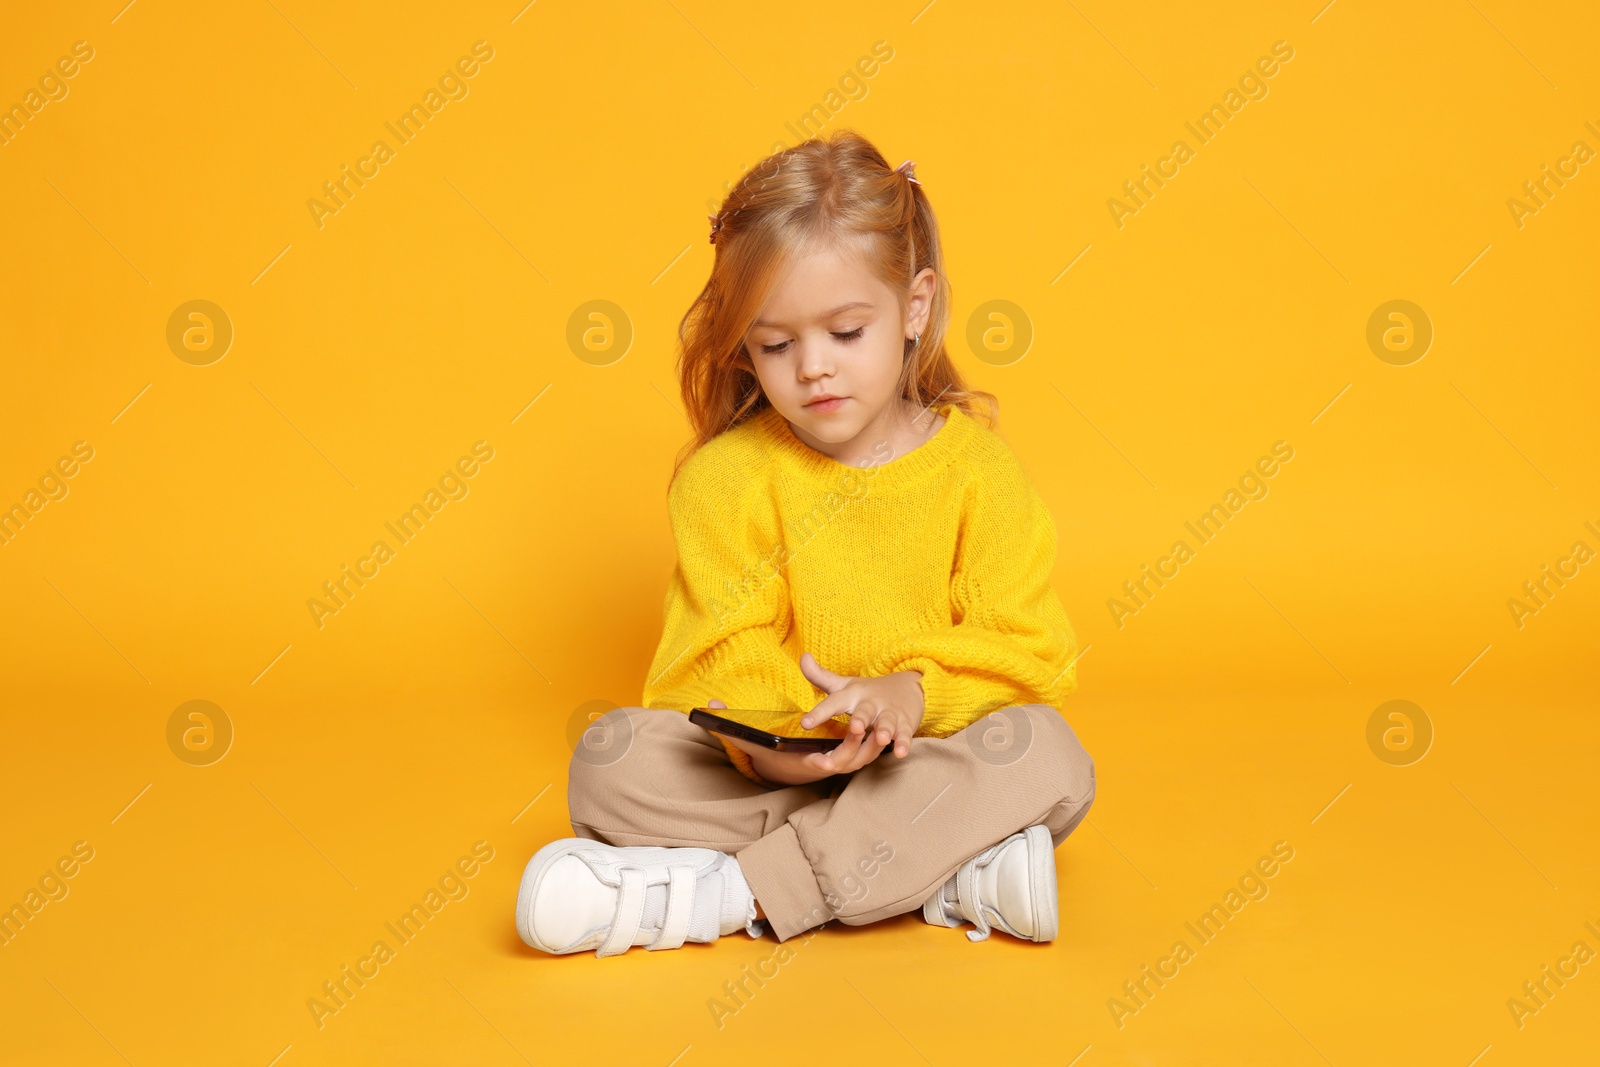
(855, 847)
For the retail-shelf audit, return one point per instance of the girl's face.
(831, 328)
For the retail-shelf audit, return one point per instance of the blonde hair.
(825, 191)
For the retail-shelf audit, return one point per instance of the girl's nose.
(815, 360)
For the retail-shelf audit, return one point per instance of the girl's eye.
(853, 335)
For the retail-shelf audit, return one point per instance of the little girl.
(846, 526)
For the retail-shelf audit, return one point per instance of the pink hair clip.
(716, 224)
(906, 168)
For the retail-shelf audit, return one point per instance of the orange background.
(435, 709)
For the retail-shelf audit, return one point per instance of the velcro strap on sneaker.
(680, 907)
(630, 914)
(967, 898)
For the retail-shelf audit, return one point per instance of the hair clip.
(906, 168)
(716, 224)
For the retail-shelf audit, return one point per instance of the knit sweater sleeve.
(1010, 641)
(727, 609)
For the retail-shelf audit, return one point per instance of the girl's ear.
(919, 304)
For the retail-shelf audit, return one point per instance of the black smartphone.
(718, 724)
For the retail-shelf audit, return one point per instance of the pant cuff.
(781, 878)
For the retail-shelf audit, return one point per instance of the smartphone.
(718, 724)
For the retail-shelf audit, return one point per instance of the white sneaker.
(579, 894)
(1011, 885)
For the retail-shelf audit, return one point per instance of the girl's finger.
(870, 750)
(819, 761)
(820, 676)
(827, 708)
(871, 715)
(886, 726)
(877, 724)
(834, 760)
(845, 762)
(866, 751)
(872, 725)
(861, 720)
(902, 741)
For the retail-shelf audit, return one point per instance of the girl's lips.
(831, 404)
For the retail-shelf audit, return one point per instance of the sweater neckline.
(933, 454)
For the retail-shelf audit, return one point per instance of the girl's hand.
(882, 711)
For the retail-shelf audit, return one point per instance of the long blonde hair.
(825, 190)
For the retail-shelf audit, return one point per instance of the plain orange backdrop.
(1170, 348)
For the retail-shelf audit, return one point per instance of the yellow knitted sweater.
(937, 560)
